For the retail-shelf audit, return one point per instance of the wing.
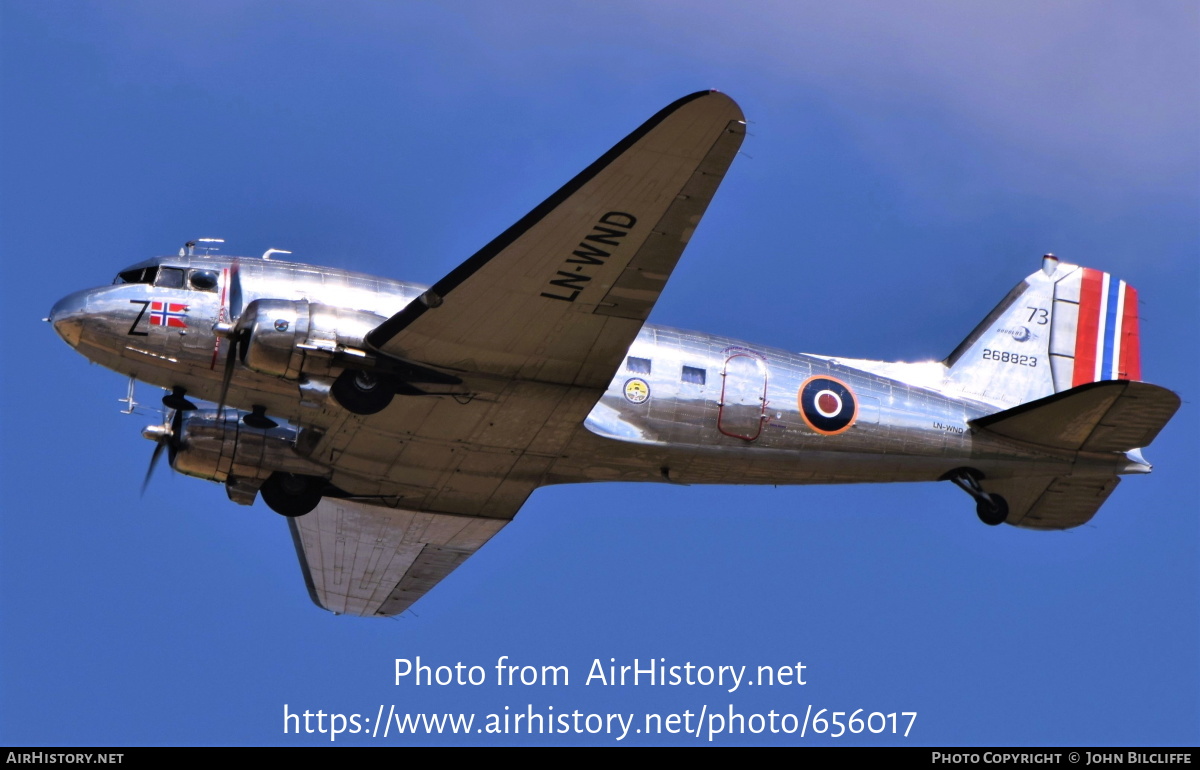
(536, 324)
(368, 560)
(559, 296)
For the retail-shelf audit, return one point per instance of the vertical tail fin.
(1061, 327)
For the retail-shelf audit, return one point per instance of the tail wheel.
(363, 392)
(292, 494)
(993, 511)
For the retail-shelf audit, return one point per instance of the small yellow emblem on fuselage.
(637, 390)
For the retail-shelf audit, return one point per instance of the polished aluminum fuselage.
(685, 407)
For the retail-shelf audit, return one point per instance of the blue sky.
(907, 164)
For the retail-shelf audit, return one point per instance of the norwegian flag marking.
(168, 314)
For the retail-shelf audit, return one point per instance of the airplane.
(399, 427)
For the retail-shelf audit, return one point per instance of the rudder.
(1095, 332)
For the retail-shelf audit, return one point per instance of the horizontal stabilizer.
(1056, 503)
(1106, 416)
(373, 561)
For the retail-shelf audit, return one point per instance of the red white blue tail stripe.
(1107, 346)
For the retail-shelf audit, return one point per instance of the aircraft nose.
(69, 315)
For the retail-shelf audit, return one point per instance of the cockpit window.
(203, 280)
(137, 275)
(170, 278)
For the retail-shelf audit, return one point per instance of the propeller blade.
(176, 438)
(227, 375)
(238, 337)
(235, 291)
(166, 436)
(158, 450)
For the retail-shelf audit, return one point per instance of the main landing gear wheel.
(292, 494)
(992, 512)
(362, 392)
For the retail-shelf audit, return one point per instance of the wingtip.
(709, 93)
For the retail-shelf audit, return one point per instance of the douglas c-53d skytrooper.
(400, 426)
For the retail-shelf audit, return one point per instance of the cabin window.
(170, 278)
(137, 275)
(203, 280)
(637, 365)
(693, 375)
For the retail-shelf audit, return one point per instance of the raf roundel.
(827, 405)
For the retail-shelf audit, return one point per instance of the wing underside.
(368, 560)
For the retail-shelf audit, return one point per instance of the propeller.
(166, 437)
(235, 290)
(238, 338)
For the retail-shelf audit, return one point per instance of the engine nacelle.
(223, 448)
(288, 338)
